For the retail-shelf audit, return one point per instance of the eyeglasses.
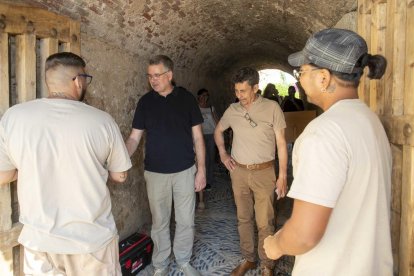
(156, 76)
(251, 122)
(298, 73)
(87, 77)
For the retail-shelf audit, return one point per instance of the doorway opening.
(279, 78)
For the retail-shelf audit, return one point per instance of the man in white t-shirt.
(62, 151)
(340, 223)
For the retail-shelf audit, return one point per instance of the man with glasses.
(342, 164)
(172, 121)
(258, 126)
(62, 151)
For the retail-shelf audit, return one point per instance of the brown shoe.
(267, 271)
(243, 267)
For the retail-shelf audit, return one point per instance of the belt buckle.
(251, 166)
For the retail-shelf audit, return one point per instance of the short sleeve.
(320, 168)
(278, 118)
(224, 120)
(139, 116)
(118, 159)
(195, 113)
(5, 162)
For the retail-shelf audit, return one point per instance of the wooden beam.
(6, 264)
(378, 27)
(400, 129)
(8, 239)
(26, 67)
(6, 254)
(4, 73)
(48, 46)
(364, 29)
(396, 179)
(398, 58)
(20, 19)
(406, 265)
(409, 60)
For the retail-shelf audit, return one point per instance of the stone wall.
(118, 82)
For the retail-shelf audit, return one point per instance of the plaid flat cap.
(334, 49)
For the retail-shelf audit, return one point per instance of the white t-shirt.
(209, 124)
(63, 150)
(342, 160)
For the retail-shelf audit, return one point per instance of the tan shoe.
(243, 267)
(267, 271)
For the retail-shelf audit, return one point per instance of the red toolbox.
(135, 253)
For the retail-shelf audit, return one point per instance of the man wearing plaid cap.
(340, 223)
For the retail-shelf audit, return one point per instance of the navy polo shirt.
(168, 122)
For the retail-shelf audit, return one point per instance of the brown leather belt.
(256, 167)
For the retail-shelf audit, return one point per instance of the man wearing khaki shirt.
(258, 126)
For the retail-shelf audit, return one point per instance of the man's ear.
(324, 79)
(170, 75)
(255, 88)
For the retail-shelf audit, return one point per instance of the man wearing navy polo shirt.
(172, 120)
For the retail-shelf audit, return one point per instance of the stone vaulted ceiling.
(210, 36)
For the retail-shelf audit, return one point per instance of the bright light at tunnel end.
(275, 76)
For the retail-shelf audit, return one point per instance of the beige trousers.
(254, 195)
(104, 262)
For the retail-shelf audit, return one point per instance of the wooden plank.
(4, 73)
(6, 264)
(381, 25)
(26, 67)
(378, 27)
(389, 53)
(48, 46)
(409, 60)
(19, 19)
(6, 254)
(406, 257)
(399, 129)
(398, 59)
(5, 208)
(75, 46)
(296, 123)
(8, 238)
(364, 29)
(396, 179)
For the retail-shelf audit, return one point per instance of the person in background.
(258, 128)
(340, 223)
(172, 121)
(290, 103)
(270, 92)
(61, 151)
(208, 126)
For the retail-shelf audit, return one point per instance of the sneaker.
(161, 271)
(188, 270)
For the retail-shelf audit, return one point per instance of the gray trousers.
(162, 189)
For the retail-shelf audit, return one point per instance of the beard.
(83, 94)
